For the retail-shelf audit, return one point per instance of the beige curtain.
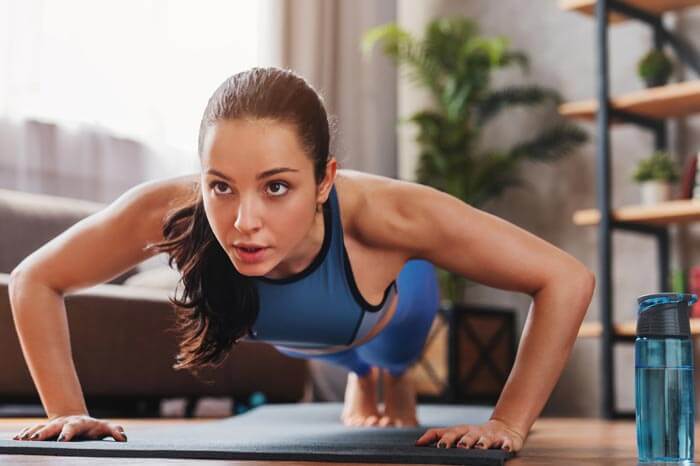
(83, 163)
(320, 40)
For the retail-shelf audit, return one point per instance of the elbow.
(584, 282)
(588, 282)
(13, 286)
(14, 278)
(19, 279)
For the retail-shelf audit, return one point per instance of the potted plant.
(655, 175)
(655, 68)
(454, 63)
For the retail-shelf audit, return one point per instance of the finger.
(52, 431)
(432, 435)
(70, 431)
(497, 440)
(118, 433)
(43, 433)
(371, 421)
(20, 434)
(469, 439)
(448, 439)
(485, 441)
(28, 434)
(507, 444)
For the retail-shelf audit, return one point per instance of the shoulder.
(152, 200)
(166, 193)
(387, 213)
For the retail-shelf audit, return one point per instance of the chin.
(251, 270)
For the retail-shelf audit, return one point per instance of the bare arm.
(92, 251)
(424, 222)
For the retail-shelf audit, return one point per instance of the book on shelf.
(689, 178)
(695, 194)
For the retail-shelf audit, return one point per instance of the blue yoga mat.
(283, 432)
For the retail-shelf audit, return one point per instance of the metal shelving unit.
(608, 111)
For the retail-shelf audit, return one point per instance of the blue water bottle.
(664, 391)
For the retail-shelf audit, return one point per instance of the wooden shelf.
(627, 329)
(656, 7)
(670, 101)
(663, 213)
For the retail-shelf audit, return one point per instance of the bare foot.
(360, 407)
(399, 401)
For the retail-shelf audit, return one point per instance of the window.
(141, 69)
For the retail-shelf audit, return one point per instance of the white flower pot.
(654, 192)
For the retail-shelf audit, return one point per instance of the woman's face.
(259, 190)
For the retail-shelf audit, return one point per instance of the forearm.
(549, 334)
(42, 327)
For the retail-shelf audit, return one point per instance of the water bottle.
(664, 389)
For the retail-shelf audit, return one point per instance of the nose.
(248, 216)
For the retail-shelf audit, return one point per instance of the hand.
(492, 434)
(70, 427)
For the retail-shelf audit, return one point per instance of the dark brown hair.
(218, 305)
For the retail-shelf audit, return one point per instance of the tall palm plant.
(454, 63)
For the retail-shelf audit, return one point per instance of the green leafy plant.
(454, 63)
(658, 167)
(655, 68)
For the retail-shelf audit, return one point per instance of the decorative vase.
(655, 191)
(655, 81)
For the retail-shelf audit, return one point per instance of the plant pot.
(656, 81)
(655, 191)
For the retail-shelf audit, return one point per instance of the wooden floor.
(553, 441)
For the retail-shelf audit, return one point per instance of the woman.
(275, 243)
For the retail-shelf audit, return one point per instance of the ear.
(324, 188)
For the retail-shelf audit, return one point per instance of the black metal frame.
(658, 126)
(458, 312)
(452, 314)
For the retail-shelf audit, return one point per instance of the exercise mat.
(289, 432)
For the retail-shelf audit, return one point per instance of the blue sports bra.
(321, 305)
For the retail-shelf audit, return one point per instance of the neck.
(305, 252)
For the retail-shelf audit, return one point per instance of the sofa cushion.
(30, 220)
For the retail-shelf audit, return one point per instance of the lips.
(249, 246)
(250, 253)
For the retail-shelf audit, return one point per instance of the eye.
(216, 183)
(277, 189)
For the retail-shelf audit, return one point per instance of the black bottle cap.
(664, 314)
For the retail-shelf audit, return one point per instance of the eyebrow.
(260, 176)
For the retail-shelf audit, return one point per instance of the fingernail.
(480, 445)
(461, 445)
(36, 435)
(61, 438)
(441, 445)
(124, 436)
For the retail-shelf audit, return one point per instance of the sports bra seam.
(362, 315)
(357, 327)
(359, 299)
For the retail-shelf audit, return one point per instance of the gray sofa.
(122, 351)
